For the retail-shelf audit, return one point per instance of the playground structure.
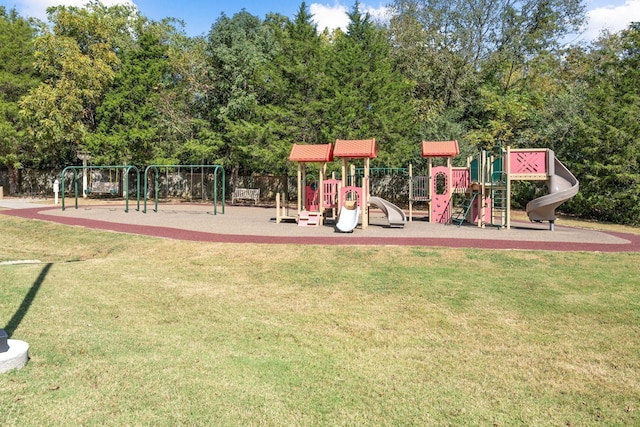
(315, 200)
(484, 186)
(333, 194)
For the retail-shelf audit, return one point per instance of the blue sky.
(198, 15)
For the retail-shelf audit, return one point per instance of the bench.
(245, 194)
(102, 187)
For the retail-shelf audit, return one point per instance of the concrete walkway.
(23, 203)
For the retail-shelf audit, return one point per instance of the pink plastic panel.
(330, 193)
(357, 191)
(311, 199)
(441, 199)
(528, 162)
(461, 178)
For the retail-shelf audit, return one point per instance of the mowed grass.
(131, 330)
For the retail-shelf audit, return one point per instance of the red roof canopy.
(440, 148)
(355, 148)
(321, 153)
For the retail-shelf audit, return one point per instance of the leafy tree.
(239, 49)
(17, 77)
(78, 60)
(303, 60)
(128, 117)
(477, 63)
(437, 102)
(370, 97)
(290, 88)
(601, 140)
(183, 102)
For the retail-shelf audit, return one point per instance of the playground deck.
(250, 224)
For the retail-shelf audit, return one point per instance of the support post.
(506, 166)
(300, 187)
(483, 188)
(430, 187)
(4, 345)
(14, 354)
(410, 192)
(56, 190)
(322, 171)
(84, 156)
(365, 194)
(278, 216)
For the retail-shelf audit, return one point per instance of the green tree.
(78, 60)
(441, 82)
(370, 98)
(17, 77)
(183, 102)
(478, 64)
(303, 61)
(601, 138)
(127, 128)
(239, 50)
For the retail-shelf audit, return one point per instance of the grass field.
(131, 330)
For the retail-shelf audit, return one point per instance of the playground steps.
(309, 219)
(461, 213)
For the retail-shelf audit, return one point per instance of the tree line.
(131, 90)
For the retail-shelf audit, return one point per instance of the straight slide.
(394, 214)
(562, 186)
(348, 219)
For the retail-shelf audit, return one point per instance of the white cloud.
(612, 18)
(38, 8)
(335, 16)
(326, 16)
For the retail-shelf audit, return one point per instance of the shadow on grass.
(15, 321)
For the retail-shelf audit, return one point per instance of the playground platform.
(251, 224)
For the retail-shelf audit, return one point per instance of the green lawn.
(130, 330)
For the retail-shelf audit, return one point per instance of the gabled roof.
(440, 148)
(311, 153)
(355, 149)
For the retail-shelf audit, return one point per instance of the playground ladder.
(499, 204)
(498, 191)
(461, 213)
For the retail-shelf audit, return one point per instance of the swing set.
(173, 176)
(174, 179)
(99, 186)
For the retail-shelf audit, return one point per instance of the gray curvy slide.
(562, 186)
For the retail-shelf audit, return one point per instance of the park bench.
(252, 194)
(103, 187)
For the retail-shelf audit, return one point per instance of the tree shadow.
(15, 321)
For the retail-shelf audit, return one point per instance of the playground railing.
(461, 179)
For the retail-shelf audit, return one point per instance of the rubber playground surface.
(257, 225)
